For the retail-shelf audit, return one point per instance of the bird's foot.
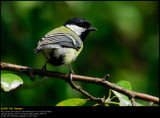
(70, 74)
(43, 71)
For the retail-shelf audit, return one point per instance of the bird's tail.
(37, 51)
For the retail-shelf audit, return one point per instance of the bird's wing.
(57, 40)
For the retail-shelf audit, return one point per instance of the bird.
(62, 45)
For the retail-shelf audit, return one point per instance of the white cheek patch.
(78, 30)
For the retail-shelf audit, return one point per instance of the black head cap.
(79, 22)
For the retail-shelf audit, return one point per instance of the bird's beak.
(92, 29)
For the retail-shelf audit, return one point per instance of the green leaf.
(10, 82)
(138, 104)
(124, 100)
(72, 102)
(124, 84)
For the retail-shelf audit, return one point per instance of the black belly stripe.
(54, 60)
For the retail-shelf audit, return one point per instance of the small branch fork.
(78, 88)
(102, 82)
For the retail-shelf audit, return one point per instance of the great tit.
(62, 45)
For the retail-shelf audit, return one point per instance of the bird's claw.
(43, 71)
(70, 74)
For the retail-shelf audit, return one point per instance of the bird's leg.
(43, 70)
(71, 72)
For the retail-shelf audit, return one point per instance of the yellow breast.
(71, 55)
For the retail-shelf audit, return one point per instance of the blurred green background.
(126, 46)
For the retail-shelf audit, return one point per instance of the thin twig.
(98, 81)
(133, 102)
(132, 96)
(78, 88)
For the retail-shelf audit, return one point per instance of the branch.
(31, 71)
(78, 88)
